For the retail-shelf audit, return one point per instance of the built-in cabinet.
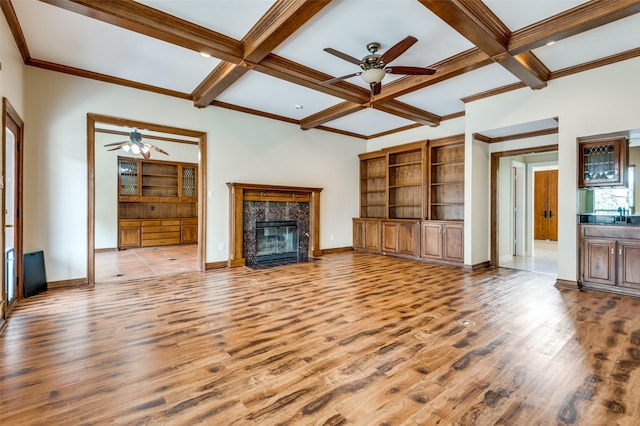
(366, 234)
(442, 241)
(609, 258)
(412, 201)
(603, 162)
(157, 203)
(401, 237)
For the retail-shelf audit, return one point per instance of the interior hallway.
(544, 260)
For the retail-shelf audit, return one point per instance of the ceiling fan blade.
(115, 149)
(341, 55)
(145, 155)
(376, 88)
(117, 143)
(333, 80)
(410, 70)
(397, 49)
(155, 148)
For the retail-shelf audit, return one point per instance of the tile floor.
(145, 262)
(545, 258)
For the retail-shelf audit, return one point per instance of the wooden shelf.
(159, 195)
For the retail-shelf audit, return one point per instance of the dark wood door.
(545, 205)
(599, 261)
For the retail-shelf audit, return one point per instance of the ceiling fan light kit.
(373, 75)
(136, 146)
(374, 66)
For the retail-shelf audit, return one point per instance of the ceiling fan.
(135, 145)
(374, 66)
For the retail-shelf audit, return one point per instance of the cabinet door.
(390, 233)
(188, 231)
(358, 233)
(431, 244)
(629, 264)
(409, 238)
(129, 237)
(603, 163)
(453, 242)
(372, 235)
(599, 261)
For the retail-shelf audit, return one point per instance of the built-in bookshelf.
(157, 202)
(446, 182)
(405, 173)
(373, 177)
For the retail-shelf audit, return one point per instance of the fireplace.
(270, 213)
(276, 240)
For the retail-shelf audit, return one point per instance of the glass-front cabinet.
(602, 163)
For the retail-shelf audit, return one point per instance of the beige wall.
(241, 148)
(602, 100)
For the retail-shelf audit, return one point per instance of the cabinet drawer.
(155, 229)
(129, 223)
(151, 223)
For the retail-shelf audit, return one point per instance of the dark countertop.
(596, 219)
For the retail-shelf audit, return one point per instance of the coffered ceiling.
(267, 57)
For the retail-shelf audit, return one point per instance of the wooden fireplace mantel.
(240, 192)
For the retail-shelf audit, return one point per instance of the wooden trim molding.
(495, 159)
(337, 250)
(239, 192)
(76, 282)
(92, 119)
(567, 284)
(476, 266)
(209, 266)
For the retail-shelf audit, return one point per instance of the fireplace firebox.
(276, 240)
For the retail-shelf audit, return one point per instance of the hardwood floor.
(353, 339)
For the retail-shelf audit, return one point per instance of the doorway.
(12, 141)
(512, 209)
(96, 124)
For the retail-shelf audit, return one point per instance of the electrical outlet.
(221, 246)
(332, 237)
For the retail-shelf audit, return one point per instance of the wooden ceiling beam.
(283, 19)
(408, 112)
(574, 21)
(151, 22)
(279, 67)
(219, 80)
(476, 22)
(329, 114)
(451, 67)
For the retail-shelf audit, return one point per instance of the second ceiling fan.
(374, 66)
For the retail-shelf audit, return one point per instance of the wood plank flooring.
(352, 339)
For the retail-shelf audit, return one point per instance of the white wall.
(602, 100)
(12, 72)
(106, 181)
(240, 148)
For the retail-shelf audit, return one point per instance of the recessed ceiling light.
(299, 106)
(205, 54)
(550, 43)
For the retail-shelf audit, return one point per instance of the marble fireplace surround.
(250, 202)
